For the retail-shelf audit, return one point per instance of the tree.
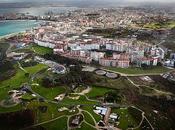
(112, 96)
(159, 64)
(27, 74)
(144, 66)
(47, 82)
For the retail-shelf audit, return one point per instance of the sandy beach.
(14, 27)
(11, 35)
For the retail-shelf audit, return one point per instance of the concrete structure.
(44, 44)
(96, 55)
(108, 62)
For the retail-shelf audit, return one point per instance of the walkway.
(140, 89)
(133, 75)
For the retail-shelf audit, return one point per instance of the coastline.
(11, 35)
(16, 33)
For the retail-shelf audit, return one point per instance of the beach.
(10, 28)
(11, 35)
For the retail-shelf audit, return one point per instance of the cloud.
(138, 1)
(165, 1)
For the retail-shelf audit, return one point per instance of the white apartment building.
(116, 47)
(158, 51)
(97, 55)
(92, 46)
(44, 44)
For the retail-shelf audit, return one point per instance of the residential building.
(44, 43)
(97, 55)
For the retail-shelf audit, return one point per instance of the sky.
(164, 1)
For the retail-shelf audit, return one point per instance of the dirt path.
(143, 117)
(96, 125)
(156, 90)
(131, 75)
(21, 67)
(38, 124)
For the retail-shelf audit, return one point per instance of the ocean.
(15, 26)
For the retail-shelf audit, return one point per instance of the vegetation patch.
(125, 119)
(59, 124)
(49, 93)
(133, 70)
(17, 120)
(90, 110)
(18, 79)
(85, 126)
(98, 91)
(27, 97)
(88, 118)
(160, 25)
(41, 50)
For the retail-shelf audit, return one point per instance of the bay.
(15, 26)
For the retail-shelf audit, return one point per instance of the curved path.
(140, 89)
(45, 122)
(133, 75)
(143, 117)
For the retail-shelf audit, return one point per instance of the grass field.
(88, 118)
(90, 110)
(27, 97)
(125, 120)
(41, 50)
(82, 100)
(98, 92)
(157, 70)
(3, 48)
(85, 126)
(17, 80)
(49, 93)
(59, 124)
(10, 109)
(119, 83)
(167, 25)
(51, 112)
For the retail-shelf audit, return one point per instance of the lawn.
(116, 84)
(10, 109)
(27, 97)
(50, 113)
(85, 126)
(60, 124)
(3, 47)
(17, 80)
(88, 118)
(90, 110)
(14, 83)
(125, 120)
(166, 25)
(81, 101)
(49, 93)
(41, 50)
(133, 70)
(98, 91)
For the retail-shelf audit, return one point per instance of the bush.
(112, 96)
